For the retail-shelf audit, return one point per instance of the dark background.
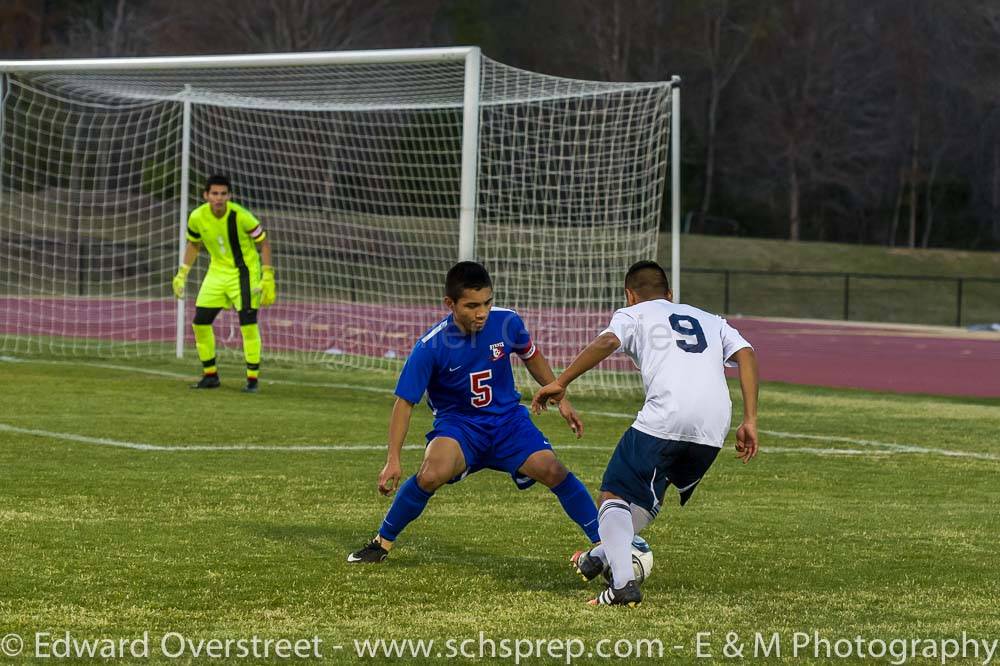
(835, 120)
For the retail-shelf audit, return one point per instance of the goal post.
(470, 158)
(675, 188)
(183, 216)
(372, 171)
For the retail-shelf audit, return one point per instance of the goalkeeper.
(238, 276)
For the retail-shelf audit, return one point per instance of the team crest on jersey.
(497, 349)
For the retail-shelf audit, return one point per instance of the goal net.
(355, 166)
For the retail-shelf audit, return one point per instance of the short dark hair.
(466, 275)
(217, 179)
(647, 278)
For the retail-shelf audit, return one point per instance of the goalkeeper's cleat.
(371, 553)
(587, 566)
(251, 386)
(207, 382)
(629, 595)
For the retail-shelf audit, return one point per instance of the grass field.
(765, 254)
(866, 514)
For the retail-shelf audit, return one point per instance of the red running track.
(902, 359)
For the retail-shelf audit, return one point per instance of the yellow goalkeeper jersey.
(231, 240)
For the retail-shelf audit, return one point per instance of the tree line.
(839, 120)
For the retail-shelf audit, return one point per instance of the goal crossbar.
(240, 61)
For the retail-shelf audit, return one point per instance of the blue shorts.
(502, 444)
(642, 467)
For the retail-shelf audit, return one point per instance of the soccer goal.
(372, 172)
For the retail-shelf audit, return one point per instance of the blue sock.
(409, 503)
(579, 505)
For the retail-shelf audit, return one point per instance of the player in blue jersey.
(463, 364)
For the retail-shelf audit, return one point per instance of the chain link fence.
(912, 299)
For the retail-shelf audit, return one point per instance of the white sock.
(615, 527)
(640, 519)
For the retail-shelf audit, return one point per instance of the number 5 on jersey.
(482, 394)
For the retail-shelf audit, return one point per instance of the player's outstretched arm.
(602, 347)
(265, 252)
(746, 434)
(399, 423)
(540, 369)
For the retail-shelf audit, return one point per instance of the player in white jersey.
(681, 352)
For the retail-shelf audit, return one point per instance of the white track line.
(890, 446)
(142, 446)
(827, 452)
(178, 375)
(902, 448)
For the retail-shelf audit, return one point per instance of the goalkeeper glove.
(180, 279)
(267, 288)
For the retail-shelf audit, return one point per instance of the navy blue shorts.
(642, 467)
(501, 444)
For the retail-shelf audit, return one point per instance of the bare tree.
(278, 26)
(982, 34)
(814, 120)
(597, 38)
(927, 45)
(32, 28)
(21, 27)
(897, 208)
(114, 28)
(726, 41)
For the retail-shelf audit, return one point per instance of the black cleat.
(586, 566)
(371, 553)
(208, 382)
(630, 595)
(251, 387)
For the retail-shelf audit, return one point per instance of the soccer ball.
(642, 561)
